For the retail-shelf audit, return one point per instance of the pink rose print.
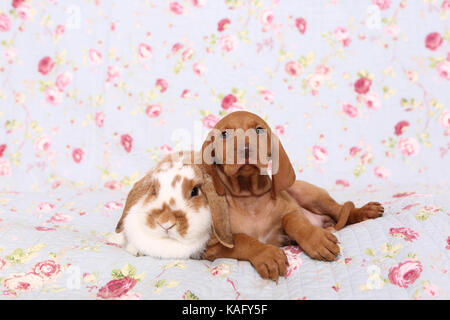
(341, 33)
(199, 69)
(366, 158)
(267, 17)
(63, 80)
(154, 110)
(2, 149)
(223, 24)
(186, 94)
(431, 290)
(294, 260)
(210, 121)
(5, 167)
(350, 110)
(42, 144)
(187, 54)
(228, 101)
(445, 5)
(77, 155)
(45, 207)
(301, 24)
(406, 233)
(2, 263)
(113, 185)
(198, 3)
(95, 57)
(127, 142)
(405, 273)
(409, 146)
(100, 119)
(113, 205)
(382, 4)
(293, 68)
(23, 282)
(267, 95)
(116, 288)
(443, 69)
(279, 130)
(59, 217)
(53, 96)
(162, 84)
(176, 8)
(176, 47)
(448, 244)
(228, 42)
(381, 172)
(362, 85)
(17, 3)
(45, 65)
(5, 22)
(400, 127)
(354, 151)
(145, 51)
(433, 41)
(320, 154)
(60, 29)
(372, 100)
(342, 182)
(24, 11)
(113, 72)
(444, 119)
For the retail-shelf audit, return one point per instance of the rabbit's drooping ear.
(138, 191)
(219, 210)
(283, 174)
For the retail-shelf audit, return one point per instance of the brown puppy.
(267, 213)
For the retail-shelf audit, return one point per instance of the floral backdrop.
(93, 92)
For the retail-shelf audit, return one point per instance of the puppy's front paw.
(320, 244)
(271, 262)
(371, 210)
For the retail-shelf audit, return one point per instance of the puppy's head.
(240, 147)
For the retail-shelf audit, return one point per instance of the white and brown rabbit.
(172, 210)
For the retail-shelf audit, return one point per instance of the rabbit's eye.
(194, 192)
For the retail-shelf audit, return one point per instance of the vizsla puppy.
(266, 213)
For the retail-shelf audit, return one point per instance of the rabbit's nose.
(166, 225)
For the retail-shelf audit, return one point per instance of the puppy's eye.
(259, 130)
(224, 134)
(194, 192)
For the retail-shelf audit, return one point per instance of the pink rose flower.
(127, 142)
(382, 4)
(433, 41)
(2, 149)
(279, 130)
(165, 149)
(162, 84)
(53, 96)
(116, 288)
(95, 57)
(100, 118)
(381, 172)
(45, 207)
(409, 146)
(342, 182)
(5, 167)
(293, 68)
(341, 33)
(23, 282)
(267, 95)
(443, 69)
(228, 101)
(42, 144)
(362, 85)
(301, 24)
(5, 22)
(113, 185)
(350, 110)
(228, 42)
(372, 100)
(17, 3)
(354, 151)
(222, 24)
(315, 81)
(186, 94)
(60, 29)
(199, 69)
(187, 54)
(399, 127)
(59, 217)
(24, 11)
(431, 290)
(366, 157)
(145, 51)
(45, 65)
(176, 8)
(267, 17)
(320, 154)
(198, 3)
(2, 263)
(444, 119)
(113, 205)
(405, 273)
(10, 53)
(445, 5)
(210, 121)
(63, 80)
(77, 155)
(113, 72)
(406, 233)
(176, 47)
(153, 110)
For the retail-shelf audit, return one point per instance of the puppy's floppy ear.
(208, 163)
(138, 191)
(219, 210)
(283, 174)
